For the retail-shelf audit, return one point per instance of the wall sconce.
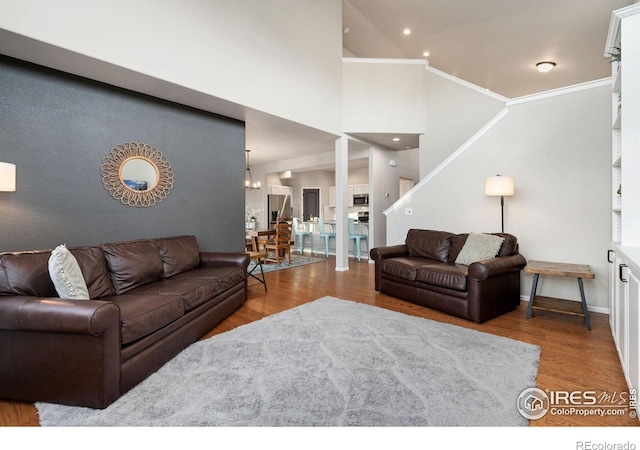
(499, 186)
(7, 177)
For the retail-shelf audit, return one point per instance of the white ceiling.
(493, 44)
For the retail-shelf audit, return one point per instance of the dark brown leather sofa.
(149, 300)
(423, 271)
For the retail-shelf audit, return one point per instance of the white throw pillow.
(478, 247)
(66, 275)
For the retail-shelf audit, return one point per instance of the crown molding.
(614, 25)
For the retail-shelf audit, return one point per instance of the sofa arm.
(59, 351)
(379, 254)
(393, 251)
(55, 315)
(483, 270)
(222, 259)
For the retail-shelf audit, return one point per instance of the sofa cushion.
(194, 287)
(217, 279)
(26, 273)
(509, 245)
(141, 315)
(451, 276)
(429, 244)
(457, 242)
(132, 264)
(94, 270)
(66, 275)
(402, 267)
(478, 247)
(178, 254)
(228, 276)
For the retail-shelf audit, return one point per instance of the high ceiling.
(494, 44)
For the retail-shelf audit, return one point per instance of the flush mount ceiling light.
(545, 66)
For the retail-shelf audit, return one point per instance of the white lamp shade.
(499, 186)
(7, 177)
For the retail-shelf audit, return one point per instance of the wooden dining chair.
(280, 245)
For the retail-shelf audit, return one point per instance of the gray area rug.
(330, 362)
(296, 260)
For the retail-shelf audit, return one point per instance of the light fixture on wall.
(249, 184)
(7, 177)
(499, 186)
(545, 66)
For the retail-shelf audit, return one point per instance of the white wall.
(276, 56)
(558, 150)
(385, 190)
(383, 96)
(455, 110)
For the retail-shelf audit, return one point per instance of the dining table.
(256, 235)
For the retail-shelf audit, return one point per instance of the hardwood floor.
(572, 358)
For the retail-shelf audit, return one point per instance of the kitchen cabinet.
(352, 189)
(359, 189)
(280, 190)
(624, 311)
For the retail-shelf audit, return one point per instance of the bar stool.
(357, 238)
(301, 234)
(327, 235)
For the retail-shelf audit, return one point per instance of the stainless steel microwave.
(361, 199)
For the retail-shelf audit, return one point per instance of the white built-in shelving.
(624, 252)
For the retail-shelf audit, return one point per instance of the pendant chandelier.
(249, 184)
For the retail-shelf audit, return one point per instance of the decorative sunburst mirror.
(137, 174)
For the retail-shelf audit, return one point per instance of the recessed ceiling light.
(425, 54)
(545, 66)
(396, 139)
(406, 32)
(346, 30)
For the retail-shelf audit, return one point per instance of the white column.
(342, 232)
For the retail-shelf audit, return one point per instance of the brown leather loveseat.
(150, 299)
(428, 270)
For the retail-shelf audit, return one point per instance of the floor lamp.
(499, 186)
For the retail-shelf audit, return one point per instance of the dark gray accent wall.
(57, 128)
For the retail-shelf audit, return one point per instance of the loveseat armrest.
(379, 254)
(55, 315)
(224, 259)
(483, 270)
(393, 251)
(59, 351)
